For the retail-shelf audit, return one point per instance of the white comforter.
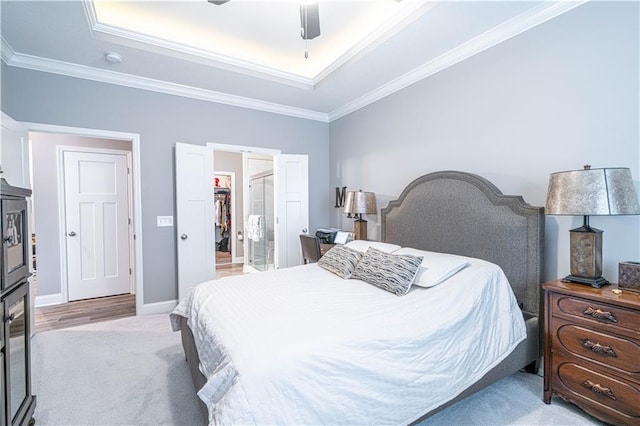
(303, 346)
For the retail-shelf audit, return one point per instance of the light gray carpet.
(132, 371)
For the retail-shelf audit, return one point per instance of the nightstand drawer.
(597, 312)
(614, 351)
(607, 392)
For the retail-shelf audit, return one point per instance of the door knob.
(8, 239)
(71, 234)
(305, 230)
(184, 236)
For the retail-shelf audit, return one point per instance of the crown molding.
(182, 51)
(498, 34)
(488, 39)
(6, 51)
(394, 24)
(388, 29)
(105, 76)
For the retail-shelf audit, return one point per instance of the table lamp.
(590, 192)
(359, 203)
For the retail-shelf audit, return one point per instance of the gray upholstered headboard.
(465, 214)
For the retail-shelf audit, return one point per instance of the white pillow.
(363, 245)
(435, 267)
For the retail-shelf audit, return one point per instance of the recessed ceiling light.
(113, 57)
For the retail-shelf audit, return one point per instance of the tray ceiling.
(249, 53)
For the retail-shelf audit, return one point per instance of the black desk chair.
(310, 248)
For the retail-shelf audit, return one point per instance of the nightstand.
(592, 350)
(324, 248)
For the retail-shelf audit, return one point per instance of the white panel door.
(195, 217)
(96, 224)
(292, 193)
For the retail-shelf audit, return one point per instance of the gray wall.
(45, 201)
(162, 120)
(559, 96)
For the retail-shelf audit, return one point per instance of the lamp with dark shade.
(357, 204)
(590, 192)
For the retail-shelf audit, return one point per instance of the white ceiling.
(250, 53)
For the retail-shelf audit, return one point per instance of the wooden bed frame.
(465, 214)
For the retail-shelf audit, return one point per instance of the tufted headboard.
(465, 214)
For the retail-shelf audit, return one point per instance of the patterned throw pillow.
(340, 260)
(390, 272)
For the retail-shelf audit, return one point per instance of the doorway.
(235, 202)
(254, 201)
(228, 220)
(194, 174)
(58, 153)
(224, 211)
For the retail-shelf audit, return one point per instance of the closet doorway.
(195, 171)
(225, 222)
(243, 164)
(228, 212)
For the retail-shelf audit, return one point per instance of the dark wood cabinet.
(2, 380)
(592, 350)
(17, 402)
(324, 248)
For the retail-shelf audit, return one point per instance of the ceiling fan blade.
(309, 21)
(218, 2)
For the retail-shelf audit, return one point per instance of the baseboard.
(157, 308)
(48, 300)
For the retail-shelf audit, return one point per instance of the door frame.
(136, 205)
(62, 212)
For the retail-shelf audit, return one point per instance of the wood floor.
(84, 312)
(224, 267)
(108, 308)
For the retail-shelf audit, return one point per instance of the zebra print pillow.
(390, 272)
(340, 260)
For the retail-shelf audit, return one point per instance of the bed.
(304, 346)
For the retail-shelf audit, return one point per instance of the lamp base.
(585, 252)
(596, 282)
(360, 229)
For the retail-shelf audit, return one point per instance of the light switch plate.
(165, 220)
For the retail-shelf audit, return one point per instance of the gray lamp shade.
(360, 203)
(592, 192)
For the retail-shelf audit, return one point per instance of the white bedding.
(303, 346)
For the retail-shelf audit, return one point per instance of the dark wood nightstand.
(592, 350)
(324, 248)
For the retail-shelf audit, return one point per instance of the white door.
(292, 192)
(96, 224)
(195, 221)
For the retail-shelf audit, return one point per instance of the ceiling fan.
(309, 19)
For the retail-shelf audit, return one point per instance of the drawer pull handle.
(599, 314)
(599, 349)
(599, 389)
